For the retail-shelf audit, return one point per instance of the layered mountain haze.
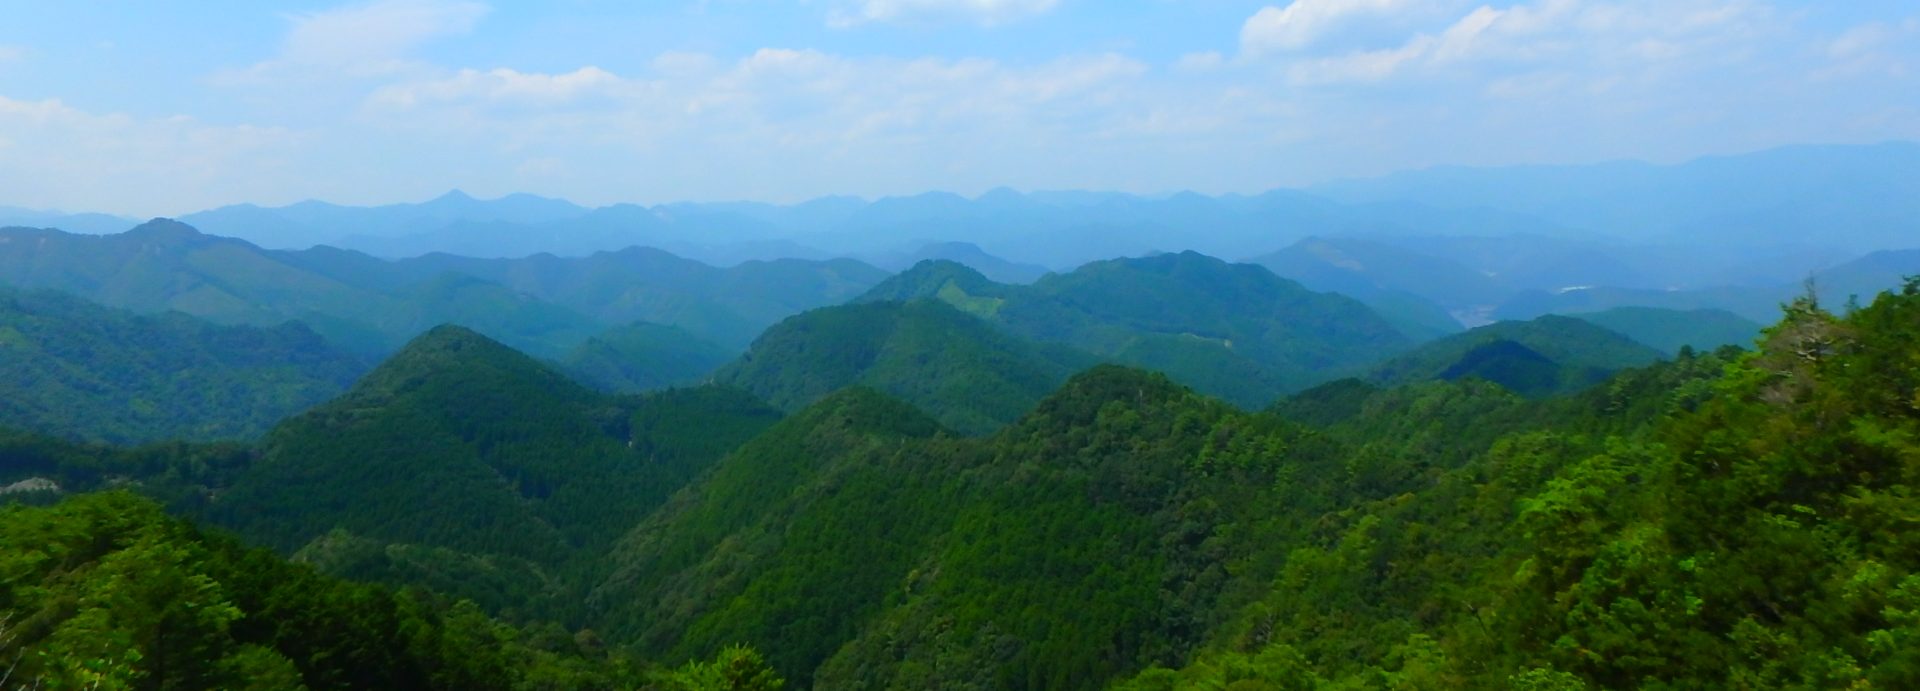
(642, 357)
(983, 345)
(1545, 356)
(544, 304)
(465, 463)
(1120, 525)
(1231, 330)
(1672, 330)
(956, 367)
(1865, 196)
(73, 368)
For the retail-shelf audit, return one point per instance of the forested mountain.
(1545, 356)
(108, 592)
(728, 306)
(542, 304)
(642, 357)
(1232, 330)
(1058, 230)
(72, 368)
(956, 367)
(1353, 265)
(965, 254)
(1671, 330)
(1739, 541)
(309, 223)
(1424, 297)
(460, 444)
(85, 223)
(1439, 534)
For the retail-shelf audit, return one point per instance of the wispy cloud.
(1622, 38)
(11, 53)
(361, 40)
(1303, 22)
(62, 156)
(978, 12)
(1318, 88)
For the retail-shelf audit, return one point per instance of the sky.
(144, 108)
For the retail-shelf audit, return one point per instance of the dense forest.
(938, 486)
(77, 369)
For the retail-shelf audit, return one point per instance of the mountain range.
(1122, 529)
(544, 304)
(1435, 432)
(76, 369)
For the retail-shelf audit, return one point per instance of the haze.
(143, 109)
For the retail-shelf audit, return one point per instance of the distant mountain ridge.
(543, 304)
(72, 368)
(1859, 197)
(1546, 356)
(959, 369)
(1231, 330)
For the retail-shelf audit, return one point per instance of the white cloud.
(773, 114)
(11, 53)
(1205, 61)
(63, 157)
(1302, 22)
(1873, 48)
(981, 12)
(1623, 37)
(499, 85)
(1331, 89)
(362, 40)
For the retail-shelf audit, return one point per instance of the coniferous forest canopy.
(1324, 345)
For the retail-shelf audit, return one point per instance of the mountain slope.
(1671, 330)
(76, 369)
(859, 544)
(1355, 265)
(543, 304)
(643, 357)
(1235, 331)
(966, 254)
(462, 445)
(727, 306)
(120, 595)
(959, 369)
(691, 556)
(1585, 352)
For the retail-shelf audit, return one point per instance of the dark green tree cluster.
(105, 591)
(1741, 529)
(641, 357)
(1722, 519)
(959, 369)
(75, 369)
(1230, 330)
(1547, 356)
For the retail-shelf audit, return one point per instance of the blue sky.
(151, 108)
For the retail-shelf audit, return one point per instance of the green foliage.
(642, 357)
(1717, 520)
(735, 668)
(544, 305)
(969, 376)
(1520, 369)
(1549, 355)
(1230, 330)
(75, 369)
(1671, 330)
(1721, 521)
(105, 591)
